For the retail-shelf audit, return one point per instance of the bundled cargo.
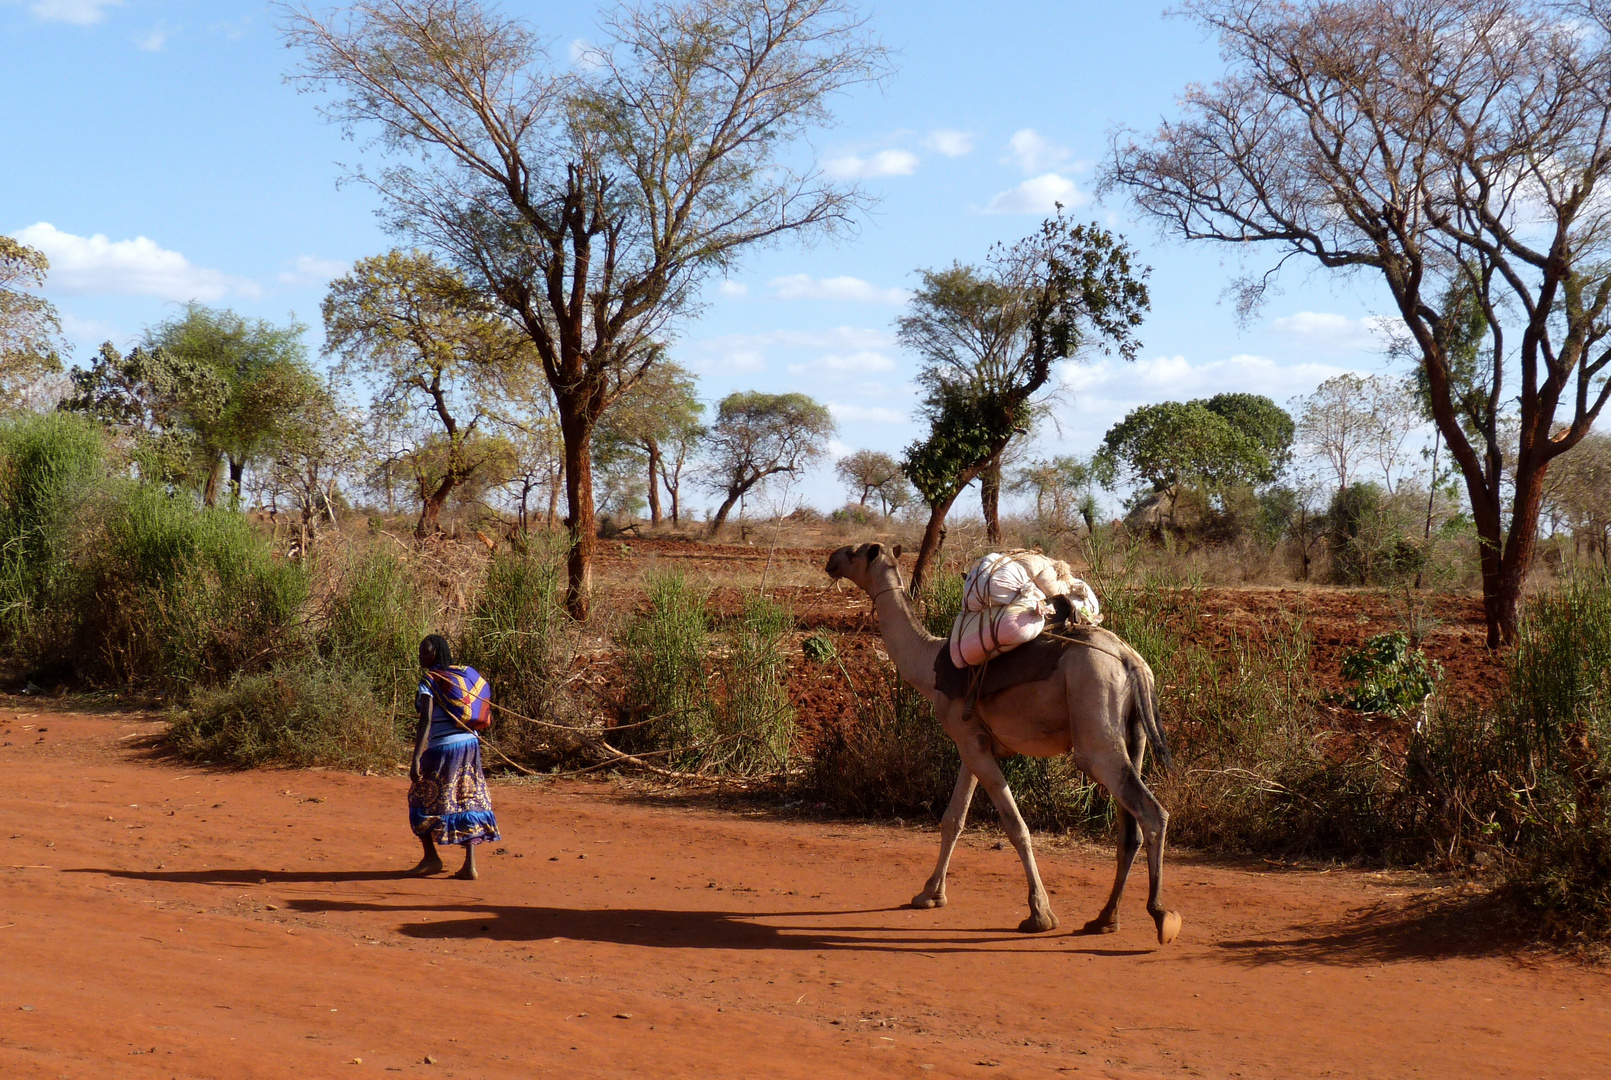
(1006, 600)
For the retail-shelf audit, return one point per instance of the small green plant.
(293, 716)
(1390, 675)
(818, 648)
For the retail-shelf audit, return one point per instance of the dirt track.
(166, 922)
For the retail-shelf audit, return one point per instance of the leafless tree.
(591, 201)
(1454, 147)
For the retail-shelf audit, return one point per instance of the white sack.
(998, 580)
(976, 636)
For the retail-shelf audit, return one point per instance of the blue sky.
(158, 156)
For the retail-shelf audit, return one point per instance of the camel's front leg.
(977, 758)
(951, 826)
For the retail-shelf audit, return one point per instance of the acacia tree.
(30, 330)
(590, 201)
(757, 436)
(866, 473)
(431, 348)
(1062, 487)
(659, 414)
(989, 338)
(1455, 148)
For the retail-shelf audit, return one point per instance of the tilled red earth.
(159, 921)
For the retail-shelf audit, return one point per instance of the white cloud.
(1038, 195)
(733, 288)
(866, 414)
(837, 450)
(883, 163)
(312, 270)
(735, 361)
(1122, 386)
(1329, 332)
(89, 329)
(1033, 152)
(97, 266)
(77, 12)
(950, 142)
(863, 362)
(854, 290)
(155, 41)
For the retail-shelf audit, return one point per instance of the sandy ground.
(157, 921)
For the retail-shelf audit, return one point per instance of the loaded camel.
(1098, 703)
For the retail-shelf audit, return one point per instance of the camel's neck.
(911, 647)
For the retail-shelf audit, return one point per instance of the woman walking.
(448, 801)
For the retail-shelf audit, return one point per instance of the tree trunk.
(555, 482)
(990, 499)
(578, 436)
(928, 552)
(654, 483)
(237, 469)
(671, 489)
(209, 491)
(733, 495)
(431, 509)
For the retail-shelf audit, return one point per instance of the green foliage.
(1389, 675)
(296, 717)
(754, 729)
(48, 465)
(1174, 443)
(30, 330)
(757, 436)
(1371, 534)
(517, 636)
(374, 621)
(668, 691)
(818, 648)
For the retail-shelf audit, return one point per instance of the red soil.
(159, 921)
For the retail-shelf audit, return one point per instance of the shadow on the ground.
(1427, 928)
(248, 877)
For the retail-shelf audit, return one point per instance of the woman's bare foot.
(467, 872)
(427, 866)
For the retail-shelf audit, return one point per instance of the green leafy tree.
(158, 401)
(30, 332)
(589, 202)
(757, 436)
(265, 374)
(433, 351)
(988, 340)
(658, 419)
(1062, 487)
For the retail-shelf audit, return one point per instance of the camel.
(1100, 705)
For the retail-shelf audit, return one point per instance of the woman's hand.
(414, 771)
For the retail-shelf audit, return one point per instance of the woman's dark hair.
(440, 651)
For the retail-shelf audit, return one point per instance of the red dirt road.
(165, 922)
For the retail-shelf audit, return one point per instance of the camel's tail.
(1144, 705)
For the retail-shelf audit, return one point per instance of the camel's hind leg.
(1107, 920)
(1133, 795)
(978, 759)
(951, 826)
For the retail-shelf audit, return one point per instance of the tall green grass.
(753, 729)
(373, 623)
(668, 694)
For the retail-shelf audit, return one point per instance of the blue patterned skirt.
(449, 802)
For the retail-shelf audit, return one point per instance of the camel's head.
(859, 564)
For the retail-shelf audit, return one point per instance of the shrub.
(373, 623)
(518, 636)
(754, 728)
(667, 691)
(290, 716)
(48, 466)
(183, 596)
(1388, 675)
(895, 758)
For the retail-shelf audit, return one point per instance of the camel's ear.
(873, 552)
(897, 551)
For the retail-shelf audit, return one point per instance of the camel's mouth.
(836, 563)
